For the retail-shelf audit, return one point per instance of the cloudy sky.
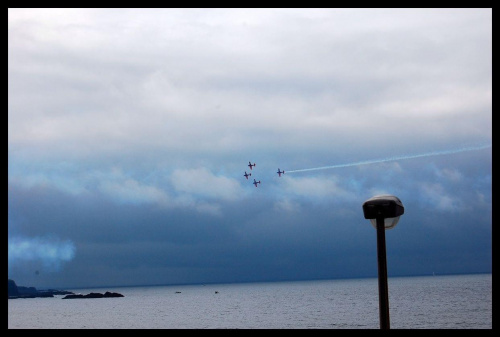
(129, 131)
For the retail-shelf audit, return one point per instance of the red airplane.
(247, 175)
(250, 164)
(280, 172)
(255, 182)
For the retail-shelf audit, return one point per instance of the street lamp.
(384, 212)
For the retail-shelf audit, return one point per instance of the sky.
(130, 131)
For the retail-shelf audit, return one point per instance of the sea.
(417, 302)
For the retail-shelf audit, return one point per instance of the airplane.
(247, 175)
(250, 164)
(255, 182)
(280, 172)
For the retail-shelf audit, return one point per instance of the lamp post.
(383, 211)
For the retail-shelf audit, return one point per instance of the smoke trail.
(50, 252)
(374, 161)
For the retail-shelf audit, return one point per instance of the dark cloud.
(130, 131)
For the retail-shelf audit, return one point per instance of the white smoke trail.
(374, 161)
(51, 252)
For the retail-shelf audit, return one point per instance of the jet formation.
(255, 182)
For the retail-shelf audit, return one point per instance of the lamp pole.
(383, 290)
(384, 212)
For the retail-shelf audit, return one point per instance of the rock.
(93, 295)
(73, 296)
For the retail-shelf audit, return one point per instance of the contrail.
(412, 156)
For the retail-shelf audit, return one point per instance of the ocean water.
(428, 302)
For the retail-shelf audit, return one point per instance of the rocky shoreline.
(16, 291)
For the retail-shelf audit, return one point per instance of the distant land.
(16, 291)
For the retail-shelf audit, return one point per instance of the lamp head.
(385, 206)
